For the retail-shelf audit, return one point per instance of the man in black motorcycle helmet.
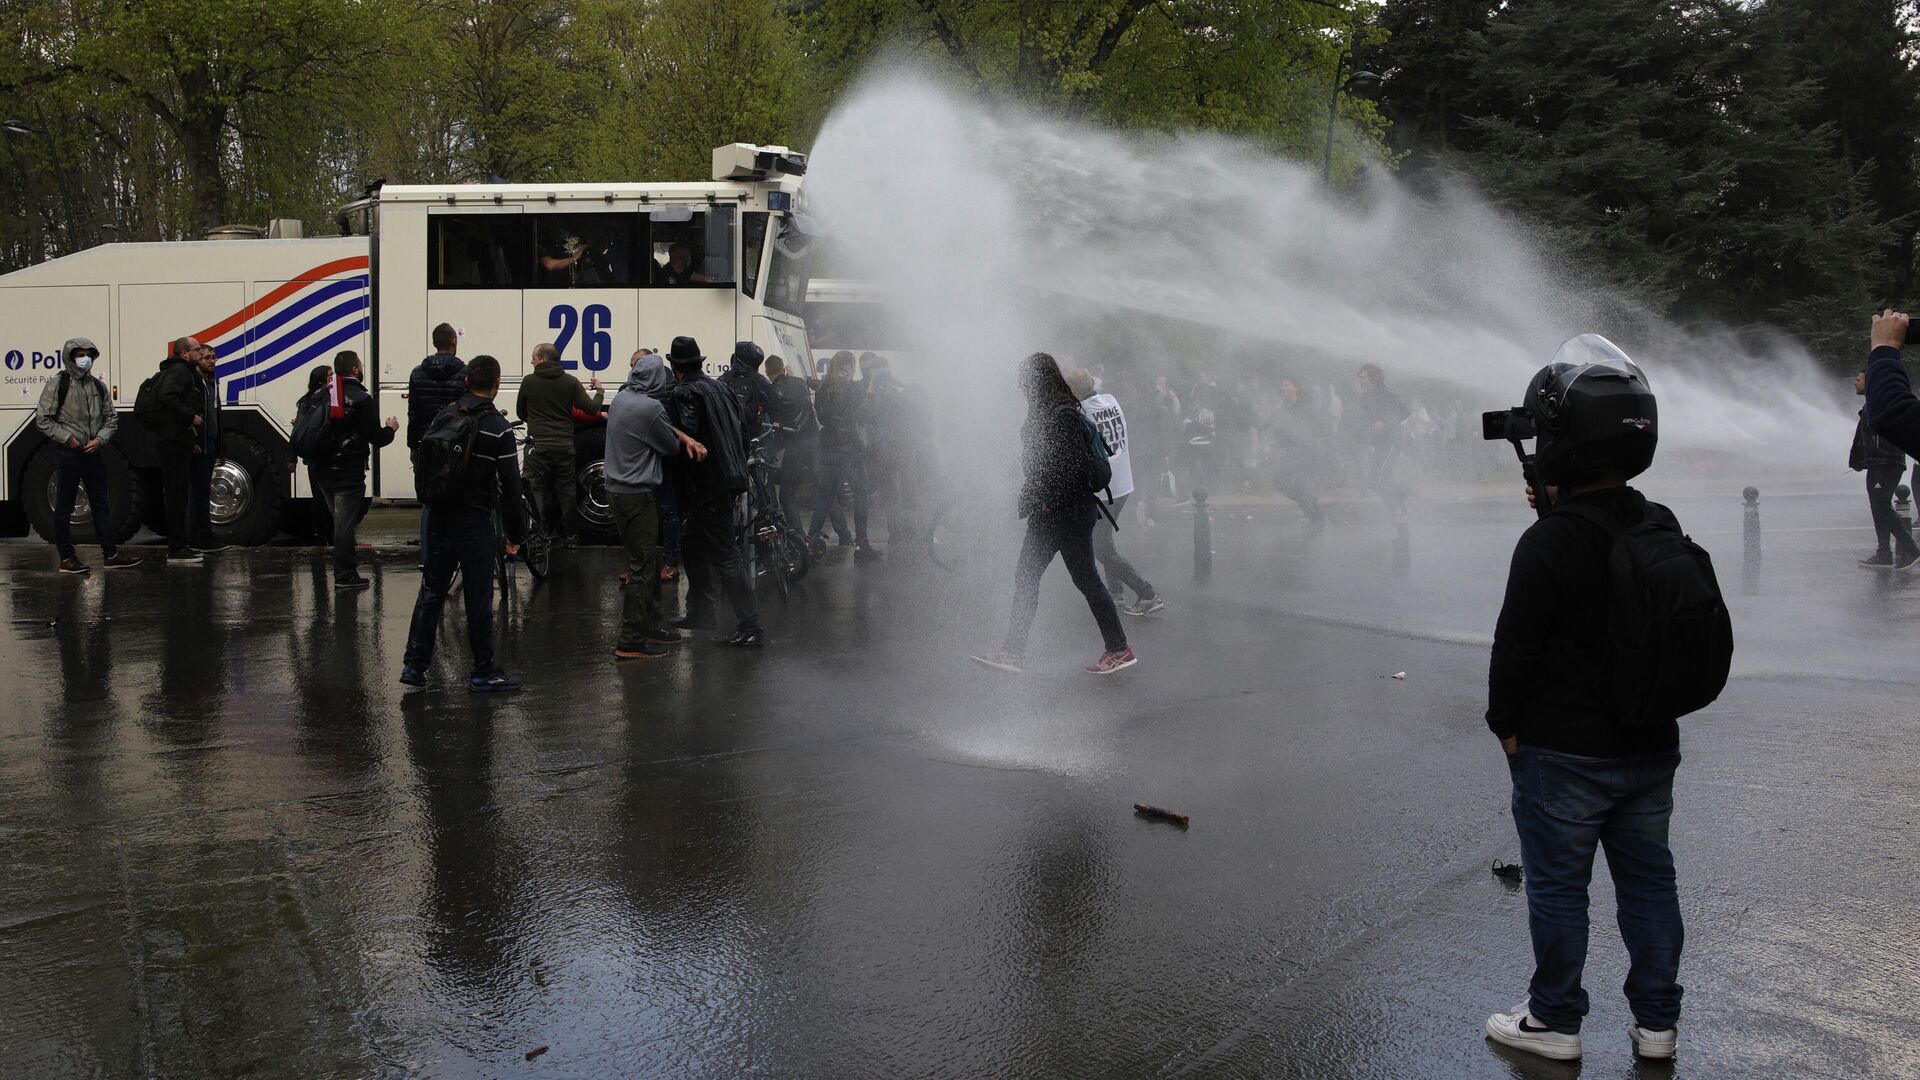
(1582, 775)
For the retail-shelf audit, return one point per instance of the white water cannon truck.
(598, 270)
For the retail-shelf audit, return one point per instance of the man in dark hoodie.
(749, 387)
(436, 382)
(547, 402)
(77, 417)
(1883, 463)
(177, 438)
(341, 469)
(640, 441)
(708, 413)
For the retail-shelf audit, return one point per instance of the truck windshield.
(791, 267)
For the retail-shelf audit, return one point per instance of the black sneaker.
(688, 622)
(643, 651)
(1907, 560)
(744, 639)
(494, 682)
(411, 676)
(209, 549)
(354, 582)
(183, 557)
(663, 635)
(1879, 558)
(863, 553)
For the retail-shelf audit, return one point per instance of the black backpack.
(443, 461)
(146, 403)
(1669, 639)
(1099, 455)
(309, 436)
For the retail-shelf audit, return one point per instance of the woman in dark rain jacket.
(1058, 504)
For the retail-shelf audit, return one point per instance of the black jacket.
(752, 391)
(1871, 450)
(1054, 464)
(1891, 407)
(209, 413)
(710, 415)
(352, 439)
(790, 404)
(438, 381)
(1547, 682)
(1381, 413)
(180, 401)
(493, 475)
(841, 407)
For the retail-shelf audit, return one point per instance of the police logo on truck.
(16, 359)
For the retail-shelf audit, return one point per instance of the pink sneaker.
(1000, 661)
(1113, 661)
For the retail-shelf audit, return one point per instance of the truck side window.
(584, 251)
(691, 247)
(476, 251)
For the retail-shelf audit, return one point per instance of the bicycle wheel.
(797, 557)
(537, 552)
(767, 554)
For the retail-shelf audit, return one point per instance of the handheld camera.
(1516, 425)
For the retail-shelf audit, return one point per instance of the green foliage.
(1680, 151)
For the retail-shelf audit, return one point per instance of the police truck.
(598, 270)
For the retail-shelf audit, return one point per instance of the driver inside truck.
(679, 268)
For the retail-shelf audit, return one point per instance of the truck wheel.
(595, 509)
(124, 496)
(246, 493)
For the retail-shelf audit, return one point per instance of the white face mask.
(83, 362)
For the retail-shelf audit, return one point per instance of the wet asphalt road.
(232, 848)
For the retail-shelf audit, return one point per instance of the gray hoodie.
(638, 434)
(87, 414)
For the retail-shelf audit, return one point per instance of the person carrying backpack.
(340, 468)
(171, 404)
(465, 466)
(77, 417)
(1612, 628)
(1063, 464)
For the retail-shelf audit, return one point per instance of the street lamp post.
(1340, 86)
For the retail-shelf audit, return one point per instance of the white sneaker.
(1518, 1030)
(1656, 1045)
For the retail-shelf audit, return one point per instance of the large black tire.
(249, 485)
(594, 518)
(125, 497)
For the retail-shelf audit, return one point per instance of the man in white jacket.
(1105, 413)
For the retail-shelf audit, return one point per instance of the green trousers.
(637, 517)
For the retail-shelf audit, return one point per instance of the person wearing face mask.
(76, 415)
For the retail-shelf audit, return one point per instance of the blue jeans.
(463, 538)
(1563, 806)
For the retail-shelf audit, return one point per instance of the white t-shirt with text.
(1105, 413)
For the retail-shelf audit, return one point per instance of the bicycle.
(537, 549)
(778, 550)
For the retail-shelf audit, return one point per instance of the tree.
(234, 84)
(1658, 146)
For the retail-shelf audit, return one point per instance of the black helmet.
(1593, 411)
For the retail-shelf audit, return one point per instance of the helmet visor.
(1594, 349)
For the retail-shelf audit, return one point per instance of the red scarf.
(336, 397)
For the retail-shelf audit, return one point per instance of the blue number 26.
(596, 343)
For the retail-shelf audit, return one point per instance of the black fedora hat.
(684, 350)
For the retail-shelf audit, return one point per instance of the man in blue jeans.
(462, 534)
(1582, 777)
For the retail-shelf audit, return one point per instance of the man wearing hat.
(709, 414)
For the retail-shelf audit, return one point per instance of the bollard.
(1750, 532)
(1903, 506)
(1202, 537)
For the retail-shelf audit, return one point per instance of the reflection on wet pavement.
(234, 848)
